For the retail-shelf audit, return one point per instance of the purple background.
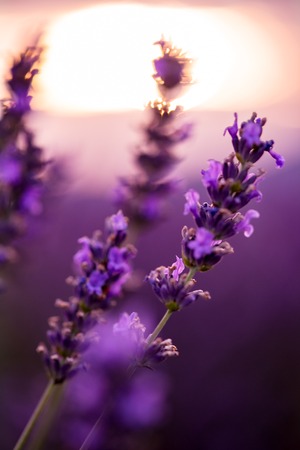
(236, 384)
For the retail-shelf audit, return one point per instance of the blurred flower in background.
(22, 164)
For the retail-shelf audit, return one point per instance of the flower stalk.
(39, 409)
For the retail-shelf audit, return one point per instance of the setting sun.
(99, 58)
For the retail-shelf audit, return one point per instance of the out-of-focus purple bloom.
(22, 74)
(118, 260)
(173, 289)
(116, 223)
(244, 225)
(83, 259)
(142, 403)
(173, 68)
(10, 168)
(130, 329)
(123, 345)
(31, 200)
(21, 161)
(129, 325)
(96, 282)
(7, 254)
(143, 197)
(143, 201)
(168, 70)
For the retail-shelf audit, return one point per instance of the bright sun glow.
(100, 58)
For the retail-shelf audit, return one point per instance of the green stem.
(191, 274)
(159, 327)
(35, 416)
(47, 420)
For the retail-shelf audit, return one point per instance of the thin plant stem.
(159, 327)
(35, 416)
(191, 274)
(48, 419)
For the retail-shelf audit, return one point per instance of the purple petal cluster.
(21, 161)
(231, 185)
(102, 267)
(172, 286)
(143, 196)
(247, 142)
(131, 331)
(173, 68)
(123, 346)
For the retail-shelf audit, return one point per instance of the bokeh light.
(99, 58)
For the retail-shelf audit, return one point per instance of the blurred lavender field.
(236, 384)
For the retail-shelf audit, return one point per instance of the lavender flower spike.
(230, 186)
(173, 67)
(102, 267)
(143, 195)
(172, 286)
(248, 145)
(22, 166)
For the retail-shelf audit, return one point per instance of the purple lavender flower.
(173, 67)
(249, 147)
(244, 225)
(10, 168)
(278, 158)
(123, 345)
(143, 196)
(210, 177)
(200, 251)
(96, 282)
(22, 74)
(192, 203)
(202, 244)
(230, 186)
(102, 267)
(130, 329)
(83, 258)
(22, 168)
(173, 288)
(117, 223)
